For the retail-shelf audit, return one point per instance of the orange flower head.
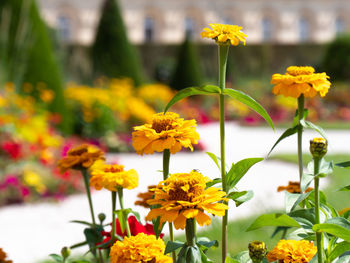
(183, 196)
(144, 197)
(293, 188)
(138, 249)
(3, 257)
(81, 157)
(300, 80)
(225, 34)
(292, 251)
(166, 131)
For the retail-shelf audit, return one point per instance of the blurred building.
(168, 21)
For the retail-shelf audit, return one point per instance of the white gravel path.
(28, 233)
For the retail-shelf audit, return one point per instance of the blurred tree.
(28, 54)
(187, 72)
(336, 62)
(112, 54)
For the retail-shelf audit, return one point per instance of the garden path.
(28, 233)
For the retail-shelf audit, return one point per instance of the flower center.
(185, 192)
(114, 168)
(78, 151)
(296, 71)
(160, 125)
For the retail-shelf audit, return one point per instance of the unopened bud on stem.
(257, 251)
(318, 147)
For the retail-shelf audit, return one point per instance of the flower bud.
(257, 251)
(101, 217)
(318, 147)
(65, 252)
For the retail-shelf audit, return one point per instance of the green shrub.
(112, 54)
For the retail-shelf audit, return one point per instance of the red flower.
(13, 149)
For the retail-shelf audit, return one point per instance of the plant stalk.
(190, 232)
(301, 102)
(223, 52)
(319, 236)
(166, 162)
(121, 202)
(114, 201)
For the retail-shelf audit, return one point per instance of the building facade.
(169, 21)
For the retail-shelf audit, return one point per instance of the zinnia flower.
(145, 196)
(167, 131)
(300, 80)
(225, 34)
(3, 257)
(80, 157)
(292, 251)
(112, 176)
(184, 196)
(293, 188)
(140, 248)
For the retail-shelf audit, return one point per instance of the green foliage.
(336, 62)
(187, 72)
(112, 54)
(36, 62)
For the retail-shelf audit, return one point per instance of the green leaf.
(292, 200)
(204, 241)
(239, 169)
(306, 180)
(157, 227)
(56, 257)
(339, 250)
(172, 246)
(276, 219)
(241, 197)
(296, 116)
(345, 188)
(243, 257)
(215, 159)
(325, 168)
(286, 134)
(189, 254)
(338, 226)
(81, 222)
(344, 165)
(78, 245)
(204, 258)
(310, 125)
(229, 259)
(213, 182)
(121, 218)
(93, 236)
(205, 90)
(344, 259)
(308, 214)
(250, 102)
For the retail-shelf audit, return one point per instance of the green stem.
(223, 52)
(166, 162)
(190, 232)
(319, 237)
(300, 135)
(88, 193)
(121, 202)
(114, 201)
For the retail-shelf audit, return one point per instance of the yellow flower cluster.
(166, 131)
(138, 249)
(112, 176)
(225, 34)
(300, 80)
(118, 95)
(292, 251)
(183, 196)
(155, 93)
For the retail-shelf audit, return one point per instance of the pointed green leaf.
(122, 215)
(205, 90)
(250, 102)
(310, 125)
(277, 219)
(344, 165)
(286, 134)
(81, 222)
(345, 188)
(172, 246)
(325, 168)
(239, 169)
(338, 226)
(344, 259)
(214, 158)
(306, 180)
(241, 197)
(292, 200)
(339, 250)
(243, 257)
(229, 259)
(78, 245)
(157, 227)
(56, 257)
(213, 182)
(204, 241)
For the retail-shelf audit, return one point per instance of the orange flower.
(81, 157)
(3, 257)
(293, 188)
(145, 196)
(292, 251)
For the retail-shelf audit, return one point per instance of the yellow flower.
(166, 131)
(300, 80)
(34, 180)
(290, 251)
(184, 196)
(225, 34)
(138, 249)
(112, 176)
(145, 196)
(80, 157)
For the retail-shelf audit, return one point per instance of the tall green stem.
(114, 201)
(319, 237)
(121, 202)
(300, 135)
(190, 232)
(223, 52)
(88, 193)
(166, 162)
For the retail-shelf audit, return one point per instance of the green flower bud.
(318, 147)
(257, 251)
(65, 252)
(101, 217)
